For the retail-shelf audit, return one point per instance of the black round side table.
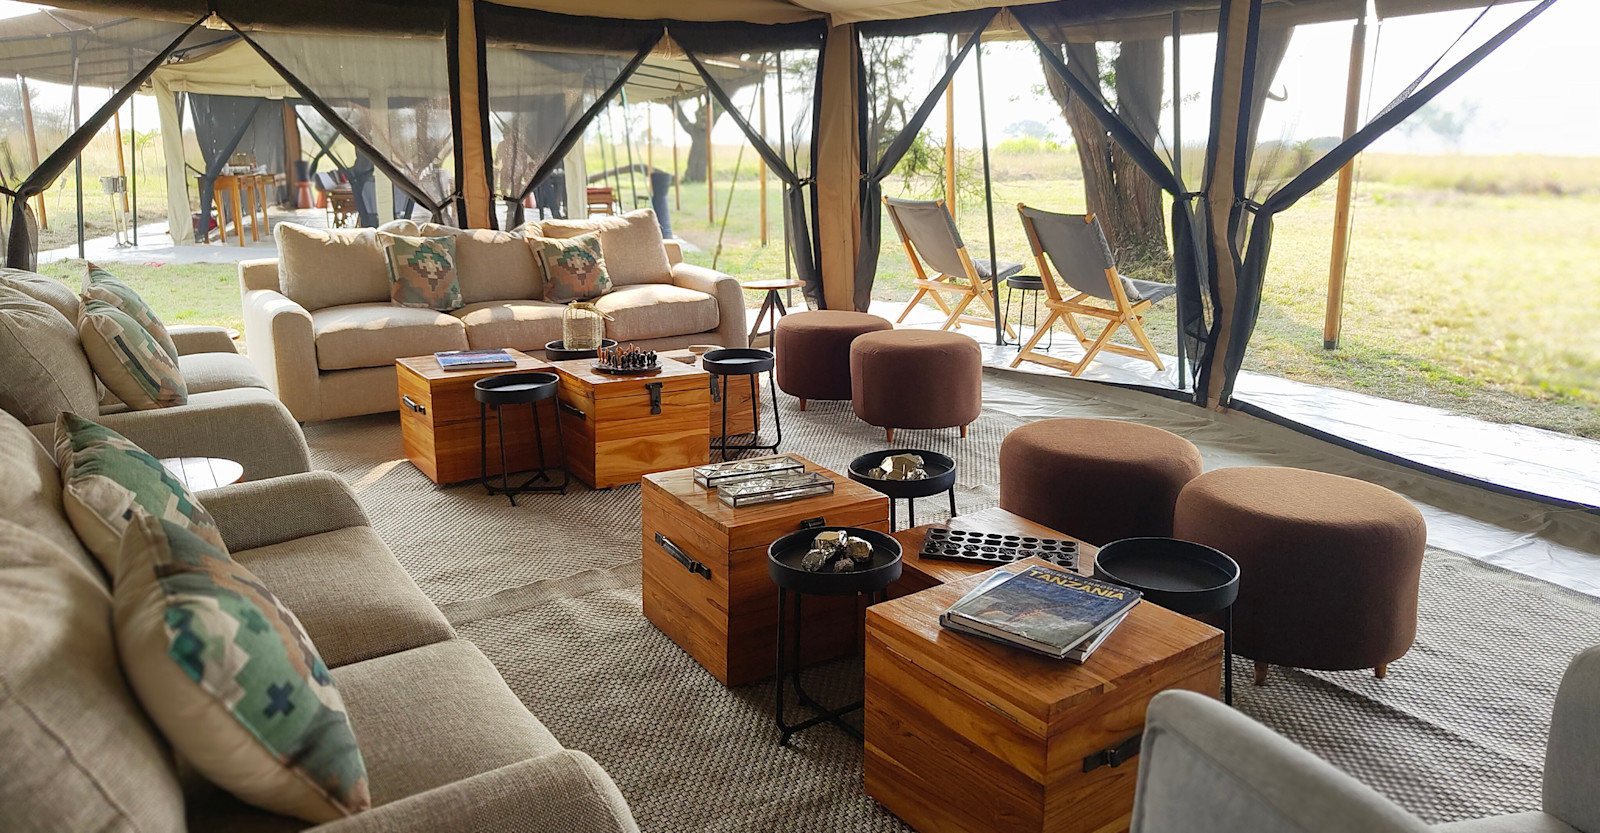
(1028, 284)
(783, 566)
(1181, 576)
(941, 477)
(517, 389)
(749, 362)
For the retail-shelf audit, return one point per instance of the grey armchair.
(1206, 768)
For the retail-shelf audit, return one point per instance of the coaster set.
(993, 549)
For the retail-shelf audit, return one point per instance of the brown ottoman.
(813, 351)
(1328, 565)
(1098, 480)
(916, 379)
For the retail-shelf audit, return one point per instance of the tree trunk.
(695, 166)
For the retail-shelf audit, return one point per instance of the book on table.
(1043, 609)
(474, 359)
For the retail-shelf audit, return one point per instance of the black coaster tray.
(993, 549)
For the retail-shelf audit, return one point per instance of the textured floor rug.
(549, 589)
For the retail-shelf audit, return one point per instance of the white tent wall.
(178, 206)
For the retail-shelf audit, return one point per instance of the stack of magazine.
(1043, 609)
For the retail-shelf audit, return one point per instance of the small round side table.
(198, 473)
(517, 389)
(771, 306)
(749, 362)
(1028, 285)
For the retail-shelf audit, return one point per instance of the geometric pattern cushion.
(230, 677)
(422, 271)
(104, 286)
(107, 480)
(575, 269)
(128, 359)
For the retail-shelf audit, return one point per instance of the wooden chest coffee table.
(439, 421)
(966, 734)
(620, 428)
(717, 601)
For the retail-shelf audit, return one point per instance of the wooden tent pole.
(649, 137)
(33, 141)
(122, 164)
(677, 193)
(475, 188)
(133, 165)
(1333, 319)
(950, 145)
(762, 92)
(711, 197)
(77, 161)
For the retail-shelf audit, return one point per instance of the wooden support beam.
(291, 154)
(33, 141)
(762, 93)
(711, 195)
(677, 175)
(122, 164)
(1333, 319)
(474, 186)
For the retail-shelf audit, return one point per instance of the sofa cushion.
(422, 271)
(45, 370)
(106, 479)
(574, 268)
(353, 597)
(434, 715)
(493, 265)
(321, 268)
(207, 372)
(40, 288)
(374, 335)
(230, 677)
(631, 244)
(32, 493)
(76, 751)
(656, 311)
(101, 285)
(131, 363)
(518, 325)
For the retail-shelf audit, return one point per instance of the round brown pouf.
(916, 379)
(813, 351)
(1098, 480)
(1328, 565)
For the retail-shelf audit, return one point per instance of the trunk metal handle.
(412, 404)
(683, 558)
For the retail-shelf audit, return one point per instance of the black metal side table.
(749, 362)
(1028, 285)
(783, 566)
(1181, 576)
(941, 477)
(518, 389)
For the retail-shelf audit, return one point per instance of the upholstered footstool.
(813, 351)
(1328, 565)
(916, 379)
(1098, 480)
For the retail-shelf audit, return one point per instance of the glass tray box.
(789, 485)
(733, 471)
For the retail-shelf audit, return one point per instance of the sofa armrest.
(284, 350)
(566, 792)
(732, 324)
(1572, 760)
(260, 273)
(196, 338)
(267, 512)
(674, 252)
(245, 425)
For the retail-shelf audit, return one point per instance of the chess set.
(993, 549)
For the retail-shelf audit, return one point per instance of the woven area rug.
(549, 590)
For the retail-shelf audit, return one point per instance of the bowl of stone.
(904, 472)
(834, 561)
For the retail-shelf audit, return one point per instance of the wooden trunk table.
(717, 602)
(966, 734)
(742, 405)
(620, 428)
(439, 421)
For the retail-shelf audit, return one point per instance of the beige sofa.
(448, 746)
(324, 335)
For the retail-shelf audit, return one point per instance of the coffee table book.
(717, 602)
(619, 428)
(965, 734)
(439, 420)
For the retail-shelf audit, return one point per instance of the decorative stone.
(901, 467)
(844, 565)
(836, 551)
(815, 560)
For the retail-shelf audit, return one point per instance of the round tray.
(554, 352)
(1181, 576)
(617, 371)
(941, 474)
(515, 388)
(737, 361)
(783, 564)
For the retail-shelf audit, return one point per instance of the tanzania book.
(474, 359)
(1043, 609)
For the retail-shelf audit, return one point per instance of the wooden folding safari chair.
(1077, 246)
(929, 234)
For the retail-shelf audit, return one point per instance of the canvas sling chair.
(1077, 247)
(930, 236)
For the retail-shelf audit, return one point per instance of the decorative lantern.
(582, 326)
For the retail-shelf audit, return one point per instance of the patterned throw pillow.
(128, 359)
(104, 286)
(422, 271)
(106, 480)
(574, 268)
(230, 677)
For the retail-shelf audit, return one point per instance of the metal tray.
(883, 568)
(992, 549)
(737, 361)
(1181, 576)
(940, 468)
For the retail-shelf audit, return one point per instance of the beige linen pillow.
(331, 267)
(493, 265)
(630, 243)
(44, 371)
(40, 288)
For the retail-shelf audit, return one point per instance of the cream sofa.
(447, 745)
(324, 335)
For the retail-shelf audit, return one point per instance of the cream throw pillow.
(43, 370)
(323, 268)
